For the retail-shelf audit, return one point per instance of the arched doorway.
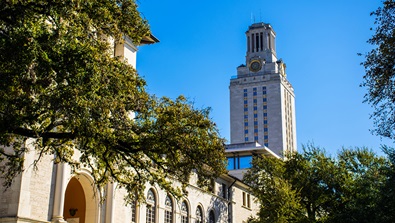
(82, 195)
(75, 202)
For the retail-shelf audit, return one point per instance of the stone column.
(60, 190)
(110, 202)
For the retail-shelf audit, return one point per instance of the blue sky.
(202, 43)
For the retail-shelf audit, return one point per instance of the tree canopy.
(380, 71)
(355, 186)
(62, 91)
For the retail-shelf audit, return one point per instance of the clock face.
(255, 65)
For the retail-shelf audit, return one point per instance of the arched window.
(168, 210)
(184, 212)
(199, 215)
(151, 207)
(211, 217)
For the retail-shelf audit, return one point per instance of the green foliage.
(63, 92)
(380, 71)
(314, 187)
(280, 203)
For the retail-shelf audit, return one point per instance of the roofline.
(150, 39)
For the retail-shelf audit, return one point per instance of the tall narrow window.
(151, 207)
(224, 191)
(199, 215)
(248, 201)
(168, 210)
(184, 212)
(257, 42)
(134, 211)
(252, 41)
(248, 44)
(261, 39)
(211, 217)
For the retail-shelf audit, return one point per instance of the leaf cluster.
(315, 187)
(379, 78)
(64, 93)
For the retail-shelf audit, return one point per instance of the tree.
(280, 203)
(318, 188)
(380, 71)
(62, 91)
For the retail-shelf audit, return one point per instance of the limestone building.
(262, 104)
(262, 101)
(54, 194)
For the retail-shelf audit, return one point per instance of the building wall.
(31, 194)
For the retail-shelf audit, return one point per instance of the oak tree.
(62, 92)
(379, 78)
(314, 187)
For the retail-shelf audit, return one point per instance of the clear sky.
(202, 43)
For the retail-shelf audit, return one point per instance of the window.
(211, 217)
(246, 200)
(245, 162)
(168, 210)
(224, 191)
(134, 211)
(199, 215)
(252, 41)
(237, 162)
(151, 207)
(246, 139)
(231, 163)
(257, 42)
(184, 212)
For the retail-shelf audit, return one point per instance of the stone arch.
(81, 188)
(199, 208)
(152, 205)
(211, 216)
(185, 211)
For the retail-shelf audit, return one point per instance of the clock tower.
(262, 101)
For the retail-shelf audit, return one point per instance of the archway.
(82, 195)
(75, 202)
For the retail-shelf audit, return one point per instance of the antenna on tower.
(260, 15)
